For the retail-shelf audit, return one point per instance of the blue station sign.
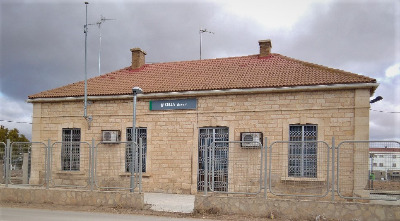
(181, 104)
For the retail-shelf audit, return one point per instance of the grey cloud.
(348, 34)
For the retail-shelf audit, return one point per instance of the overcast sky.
(42, 42)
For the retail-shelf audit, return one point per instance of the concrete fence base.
(251, 206)
(295, 209)
(72, 197)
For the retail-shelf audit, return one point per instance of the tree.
(13, 135)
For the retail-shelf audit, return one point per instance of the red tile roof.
(245, 72)
(384, 150)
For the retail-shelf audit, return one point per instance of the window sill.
(306, 179)
(71, 172)
(145, 175)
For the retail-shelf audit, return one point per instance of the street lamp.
(376, 99)
(135, 91)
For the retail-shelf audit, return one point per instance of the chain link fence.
(114, 163)
(22, 155)
(297, 168)
(352, 170)
(70, 164)
(368, 170)
(2, 163)
(235, 167)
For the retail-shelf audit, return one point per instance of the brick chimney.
(138, 58)
(265, 47)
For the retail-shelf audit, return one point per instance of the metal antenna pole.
(99, 48)
(102, 20)
(85, 30)
(201, 38)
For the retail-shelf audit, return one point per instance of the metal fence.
(72, 164)
(374, 168)
(114, 164)
(351, 170)
(2, 162)
(234, 167)
(297, 168)
(355, 170)
(20, 167)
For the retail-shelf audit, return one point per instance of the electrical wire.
(387, 112)
(18, 122)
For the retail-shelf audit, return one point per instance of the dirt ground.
(387, 185)
(116, 210)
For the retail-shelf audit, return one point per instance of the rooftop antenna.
(201, 38)
(102, 20)
(88, 118)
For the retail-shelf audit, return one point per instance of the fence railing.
(3, 159)
(118, 160)
(306, 169)
(367, 161)
(72, 164)
(351, 170)
(234, 167)
(299, 168)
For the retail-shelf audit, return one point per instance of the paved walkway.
(17, 214)
(170, 202)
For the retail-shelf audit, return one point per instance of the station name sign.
(182, 104)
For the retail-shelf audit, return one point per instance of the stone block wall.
(172, 136)
(72, 197)
(296, 209)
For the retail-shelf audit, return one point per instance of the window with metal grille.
(217, 156)
(302, 159)
(70, 150)
(141, 133)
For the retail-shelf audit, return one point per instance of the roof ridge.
(208, 59)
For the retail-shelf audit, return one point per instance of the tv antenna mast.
(201, 37)
(85, 27)
(99, 23)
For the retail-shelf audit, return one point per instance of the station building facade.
(187, 104)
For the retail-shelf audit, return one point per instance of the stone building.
(185, 103)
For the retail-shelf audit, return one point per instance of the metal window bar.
(206, 137)
(70, 152)
(302, 157)
(141, 133)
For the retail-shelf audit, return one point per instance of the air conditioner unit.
(251, 139)
(111, 136)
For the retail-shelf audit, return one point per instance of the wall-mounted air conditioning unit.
(111, 136)
(251, 139)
